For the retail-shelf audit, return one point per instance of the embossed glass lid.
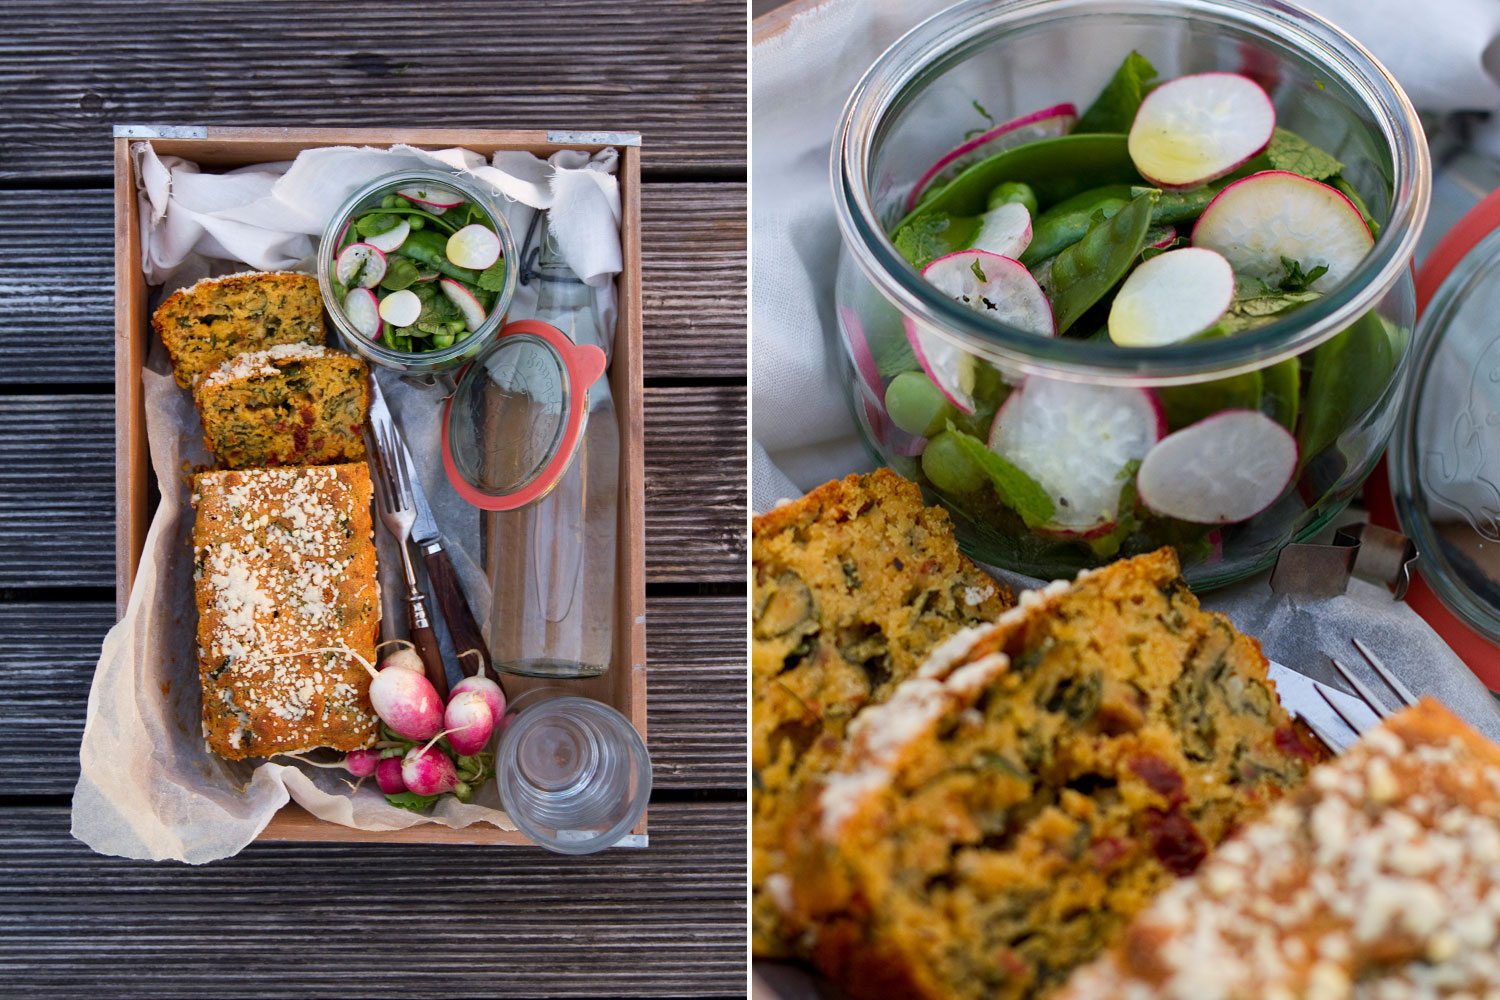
(514, 422)
(1445, 455)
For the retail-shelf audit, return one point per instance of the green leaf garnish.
(937, 234)
(1289, 151)
(412, 801)
(1115, 107)
(1016, 489)
(374, 225)
(1296, 280)
(492, 278)
(978, 271)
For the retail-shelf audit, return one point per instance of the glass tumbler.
(573, 773)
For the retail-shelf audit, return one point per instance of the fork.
(1356, 723)
(397, 513)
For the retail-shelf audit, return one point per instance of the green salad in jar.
(1166, 212)
(418, 270)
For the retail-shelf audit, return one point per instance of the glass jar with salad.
(1118, 274)
(417, 270)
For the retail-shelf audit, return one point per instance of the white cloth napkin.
(802, 431)
(147, 787)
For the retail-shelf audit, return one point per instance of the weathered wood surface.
(57, 274)
(695, 723)
(673, 70)
(298, 921)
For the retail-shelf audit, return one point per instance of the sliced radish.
(466, 302)
(392, 238)
(363, 310)
(996, 286)
(1005, 230)
(1073, 438)
(432, 195)
(1274, 214)
(474, 246)
(1223, 469)
(401, 308)
(1171, 297)
(426, 276)
(362, 261)
(1043, 124)
(1161, 237)
(1196, 128)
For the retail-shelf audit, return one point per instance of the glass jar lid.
(513, 424)
(1445, 455)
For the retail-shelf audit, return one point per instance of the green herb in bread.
(207, 324)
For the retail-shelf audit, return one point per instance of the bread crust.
(210, 322)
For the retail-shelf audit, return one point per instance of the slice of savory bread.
(854, 584)
(205, 325)
(1002, 816)
(291, 405)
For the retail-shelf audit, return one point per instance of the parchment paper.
(148, 787)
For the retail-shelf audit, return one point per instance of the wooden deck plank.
(695, 662)
(320, 920)
(58, 312)
(673, 70)
(57, 502)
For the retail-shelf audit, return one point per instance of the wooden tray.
(215, 147)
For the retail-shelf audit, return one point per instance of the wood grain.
(673, 70)
(696, 466)
(56, 308)
(300, 921)
(695, 665)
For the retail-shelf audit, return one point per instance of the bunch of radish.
(428, 749)
(1081, 443)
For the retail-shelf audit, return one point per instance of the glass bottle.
(553, 562)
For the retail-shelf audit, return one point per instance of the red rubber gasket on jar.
(1479, 654)
(584, 364)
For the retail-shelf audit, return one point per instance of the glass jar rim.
(889, 78)
(460, 351)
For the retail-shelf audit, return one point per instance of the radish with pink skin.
(1274, 214)
(1073, 439)
(428, 771)
(404, 699)
(1222, 470)
(487, 689)
(360, 261)
(994, 286)
(388, 776)
(404, 658)
(469, 721)
(474, 246)
(1047, 123)
(1197, 128)
(401, 308)
(1004, 230)
(432, 196)
(468, 305)
(1171, 297)
(362, 763)
(363, 310)
(390, 240)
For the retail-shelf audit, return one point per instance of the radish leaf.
(412, 801)
(1115, 107)
(1016, 489)
(1289, 151)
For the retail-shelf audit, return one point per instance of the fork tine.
(1322, 690)
(1392, 681)
(1360, 688)
(403, 484)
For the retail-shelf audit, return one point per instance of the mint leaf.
(1289, 151)
(1296, 280)
(492, 278)
(1108, 546)
(374, 225)
(1017, 490)
(1115, 107)
(412, 801)
(978, 272)
(928, 237)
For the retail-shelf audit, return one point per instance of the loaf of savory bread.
(208, 323)
(286, 591)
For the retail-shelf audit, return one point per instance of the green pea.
(416, 222)
(1013, 191)
(456, 326)
(948, 468)
(400, 203)
(442, 340)
(389, 201)
(1085, 271)
(917, 405)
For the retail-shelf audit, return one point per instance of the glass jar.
(425, 363)
(1330, 371)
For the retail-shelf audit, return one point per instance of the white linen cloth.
(802, 432)
(148, 788)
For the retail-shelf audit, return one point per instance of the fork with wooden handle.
(393, 496)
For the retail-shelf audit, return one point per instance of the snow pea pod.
(1066, 222)
(427, 247)
(1085, 271)
(1054, 168)
(1180, 206)
(1348, 375)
